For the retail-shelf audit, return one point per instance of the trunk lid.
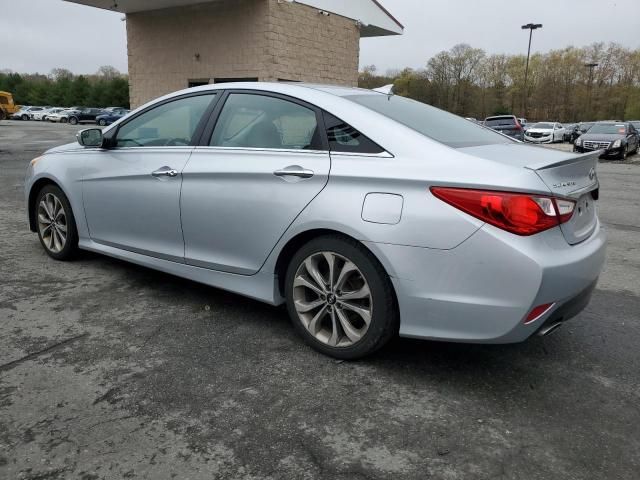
(567, 175)
(575, 178)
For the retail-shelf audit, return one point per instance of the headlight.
(617, 143)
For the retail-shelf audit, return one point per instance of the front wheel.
(25, 118)
(55, 223)
(73, 121)
(102, 122)
(340, 299)
(625, 153)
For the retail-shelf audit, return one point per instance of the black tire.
(102, 122)
(70, 248)
(3, 115)
(624, 153)
(63, 120)
(25, 117)
(385, 319)
(73, 120)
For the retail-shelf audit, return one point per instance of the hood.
(69, 147)
(539, 130)
(603, 137)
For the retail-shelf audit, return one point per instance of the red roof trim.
(388, 13)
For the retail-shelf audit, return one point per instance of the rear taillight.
(519, 213)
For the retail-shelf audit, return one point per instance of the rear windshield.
(498, 121)
(608, 128)
(444, 127)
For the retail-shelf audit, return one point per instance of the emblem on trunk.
(563, 184)
(592, 174)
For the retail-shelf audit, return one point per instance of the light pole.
(590, 66)
(531, 27)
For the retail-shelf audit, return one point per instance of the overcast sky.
(38, 35)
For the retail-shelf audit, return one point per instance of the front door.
(132, 192)
(265, 162)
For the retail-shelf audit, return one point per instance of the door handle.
(165, 172)
(294, 171)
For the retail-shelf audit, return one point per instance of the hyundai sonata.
(368, 214)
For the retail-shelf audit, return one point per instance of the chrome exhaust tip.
(548, 330)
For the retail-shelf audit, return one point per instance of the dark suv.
(84, 115)
(507, 125)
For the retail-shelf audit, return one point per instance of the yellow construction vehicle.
(7, 106)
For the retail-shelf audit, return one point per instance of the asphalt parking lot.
(111, 371)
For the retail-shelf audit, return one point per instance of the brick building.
(173, 44)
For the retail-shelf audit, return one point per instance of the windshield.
(547, 126)
(609, 128)
(444, 127)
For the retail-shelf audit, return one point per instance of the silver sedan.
(368, 214)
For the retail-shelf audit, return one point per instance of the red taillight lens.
(518, 213)
(538, 312)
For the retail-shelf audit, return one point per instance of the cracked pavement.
(110, 371)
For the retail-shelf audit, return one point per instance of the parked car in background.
(568, 130)
(42, 115)
(636, 124)
(83, 116)
(25, 113)
(524, 123)
(344, 204)
(616, 139)
(507, 125)
(545, 132)
(108, 117)
(60, 117)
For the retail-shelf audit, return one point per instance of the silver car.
(368, 214)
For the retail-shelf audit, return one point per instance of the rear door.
(261, 165)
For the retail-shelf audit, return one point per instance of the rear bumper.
(482, 290)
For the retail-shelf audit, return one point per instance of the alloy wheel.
(332, 299)
(52, 223)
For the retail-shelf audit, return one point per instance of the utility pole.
(531, 27)
(590, 66)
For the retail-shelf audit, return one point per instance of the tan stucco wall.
(238, 39)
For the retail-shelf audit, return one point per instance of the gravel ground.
(112, 371)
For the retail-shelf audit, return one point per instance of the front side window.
(170, 124)
(259, 121)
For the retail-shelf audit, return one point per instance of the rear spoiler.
(572, 176)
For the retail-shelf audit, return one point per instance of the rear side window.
(261, 121)
(344, 138)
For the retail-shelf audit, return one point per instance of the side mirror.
(90, 137)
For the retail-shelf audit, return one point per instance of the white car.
(62, 116)
(42, 115)
(545, 132)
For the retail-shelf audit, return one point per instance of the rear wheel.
(55, 223)
(340, 299)
(63, 120)
(2, 115)
(102, 122)
(73, 121)
(25, 117)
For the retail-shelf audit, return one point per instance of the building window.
(229, 80)
(198, 83)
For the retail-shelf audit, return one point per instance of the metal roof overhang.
(375, 20)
